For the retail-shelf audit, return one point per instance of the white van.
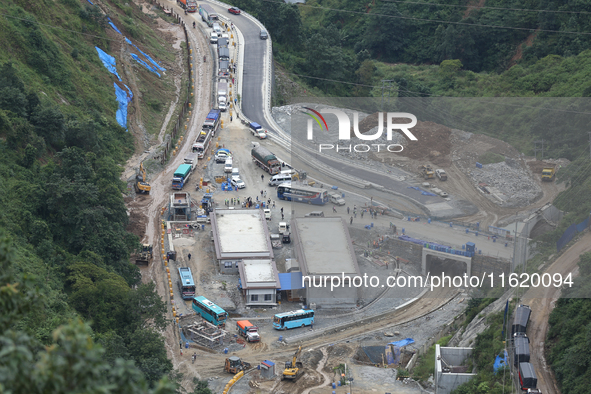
(228, 165)
(213, 37)
(267, 213)
(279, 179)
(235, 172)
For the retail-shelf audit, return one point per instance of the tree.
(72, 364)
(383, 35)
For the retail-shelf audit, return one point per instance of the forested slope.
(63, 216)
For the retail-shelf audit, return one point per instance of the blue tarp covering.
(500, 362)
(123, 98)
(429, 194)
(413, 187)
(115, 28)
(143, 63)
(145, 55)
(108, 62)
(291, 281)
(90, 2)
(568, 234)
(583, 225)
(402, 342)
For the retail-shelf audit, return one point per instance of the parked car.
(267, 214)
(221, 155)
(237, 182)
(234, 10)
(315, 214)
(264, 35)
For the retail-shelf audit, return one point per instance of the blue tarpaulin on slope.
(413, 187)
(108, 62)
(429, 194)
(90, 2)
(402, 342)
(500, 362)
(143, 63)
(115, 28)
(123, 98)
(145, 55)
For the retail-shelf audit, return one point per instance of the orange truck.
(248, 330)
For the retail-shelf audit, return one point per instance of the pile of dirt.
(137, 223)
(311, 359)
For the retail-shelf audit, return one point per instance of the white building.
(260, 282)
(239, 234)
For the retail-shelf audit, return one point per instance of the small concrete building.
(450, 371)
(239, 234)
(323, 248)
(260, 282)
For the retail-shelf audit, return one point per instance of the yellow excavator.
(293, 369)
(141, 186)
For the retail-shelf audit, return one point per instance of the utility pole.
(590, 144)
(536, 149)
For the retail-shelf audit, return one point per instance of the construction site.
(449, 213)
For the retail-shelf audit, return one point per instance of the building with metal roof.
(323, 248)
(239, 234)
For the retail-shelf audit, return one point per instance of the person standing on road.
(334, 209)
(273, 204)
(282, 210)
(261, 194)
(282, 216)
(262, 179)
(189, 256)
(347, 210)
(351, 222)
(362, 214)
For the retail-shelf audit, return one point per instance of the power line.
(436, 20)
(486, 7)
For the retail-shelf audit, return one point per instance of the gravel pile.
(514, 185)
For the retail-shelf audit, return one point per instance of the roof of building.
(323, 246)
(240, 234)
(258, 274)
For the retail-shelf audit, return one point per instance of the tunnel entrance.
(437, 266)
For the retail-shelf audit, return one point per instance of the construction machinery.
(293, 369)
(141, 186)
(235, 364)
(548, 174)
(144, 255)
(426, 171)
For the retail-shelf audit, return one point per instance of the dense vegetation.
(66, 255)
(569, 337)
(488, 345)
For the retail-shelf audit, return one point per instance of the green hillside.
(63, 215)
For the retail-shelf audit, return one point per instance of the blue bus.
(210, 311)
(186, 284)
(293, 319)
(306, 194)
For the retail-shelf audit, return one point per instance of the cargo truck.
(181, 176)
(257, 130)
(527, 376)
(248, 330)
(189, 5)
(223, 53)
(266, 160)
(191, 158)
(548, 174)
(208, 15)
(222, 95)
(521, 350)
(522, 314)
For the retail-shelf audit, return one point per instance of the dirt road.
(542, 300)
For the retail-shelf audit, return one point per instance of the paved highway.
(253, 83)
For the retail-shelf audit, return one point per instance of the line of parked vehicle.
(528, 380)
